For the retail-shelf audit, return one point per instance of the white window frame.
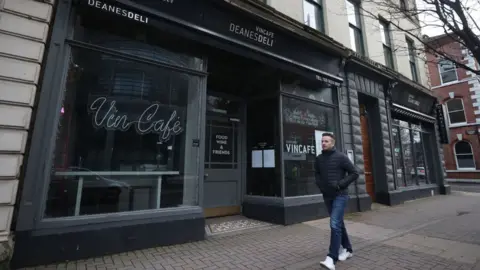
(448, 112)
(471, 151)
(440, 73)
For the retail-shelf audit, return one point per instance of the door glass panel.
(221, 145)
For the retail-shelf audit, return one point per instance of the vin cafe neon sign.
(120, 11)
(106, 115)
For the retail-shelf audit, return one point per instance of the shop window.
(410, 158)
(263, 157)
(303, 125)
(448, 71)
(313, 14)
(385, 33)
(122, 138)
(464, 156)
(456, 112)
(355, 27)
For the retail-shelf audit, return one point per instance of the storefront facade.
(406, 162)
(156, 114)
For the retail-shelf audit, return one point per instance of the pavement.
(440, 232)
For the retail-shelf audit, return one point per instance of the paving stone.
(429, 241)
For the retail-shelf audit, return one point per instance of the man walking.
(334, 172)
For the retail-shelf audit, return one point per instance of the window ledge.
(463, 124)
(448, 84)
(463, 170)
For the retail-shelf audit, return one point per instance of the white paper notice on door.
(257, 159)
(269, 158)
(318, 141)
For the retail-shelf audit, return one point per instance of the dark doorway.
(372, 141)
(233, 83)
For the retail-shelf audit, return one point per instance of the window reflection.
(121, 142)
(313, 14)
(303, 124)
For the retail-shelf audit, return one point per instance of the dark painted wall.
(382, 153)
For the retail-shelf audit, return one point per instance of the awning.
(412, 114)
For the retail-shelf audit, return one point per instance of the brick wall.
(450, 162)
(466, 88)
(460, 90)
(24, 28)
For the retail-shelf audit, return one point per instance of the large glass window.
(385, 33)
(456, 112)
(464, 156)
(355, 26)
(313, 14)
(125, 130)
(412, 59)
(448, 71)
(410, 156)
(303, 125)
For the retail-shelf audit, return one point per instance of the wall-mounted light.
(460, 136)
(451, 94)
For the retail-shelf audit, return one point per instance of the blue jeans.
(339, 236)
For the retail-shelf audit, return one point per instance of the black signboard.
(442, 125)
(413, 99)
(217, 20)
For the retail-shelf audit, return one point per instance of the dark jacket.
(334, 172)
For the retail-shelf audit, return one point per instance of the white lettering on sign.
(259, 35)
(411, 99)
(119, 11)
(221, 140)
(300, 149)
(112, 119)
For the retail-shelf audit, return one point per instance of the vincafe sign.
(107, 115)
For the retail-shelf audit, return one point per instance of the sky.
(430, 20)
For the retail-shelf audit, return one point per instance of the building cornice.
(386, 72)
(324, 42)
(266, 12)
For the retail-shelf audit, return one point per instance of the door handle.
(205, 175)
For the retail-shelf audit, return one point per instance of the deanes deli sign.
(106, 7)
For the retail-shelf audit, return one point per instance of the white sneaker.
(328, 263)
(344, 255)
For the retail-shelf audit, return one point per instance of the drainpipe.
(347, 85)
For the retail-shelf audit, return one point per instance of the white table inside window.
(82, 174)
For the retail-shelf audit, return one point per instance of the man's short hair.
(327, 134)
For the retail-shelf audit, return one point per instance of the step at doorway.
(234, 224)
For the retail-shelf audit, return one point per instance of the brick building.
(459, 92)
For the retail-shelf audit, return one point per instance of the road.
(439, 232)
(466, 187)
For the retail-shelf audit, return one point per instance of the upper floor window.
(354, 22)
(464, 155)
(448, 71)
(456, 112)
(313, 14)
(411, 58)
(387, 43)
